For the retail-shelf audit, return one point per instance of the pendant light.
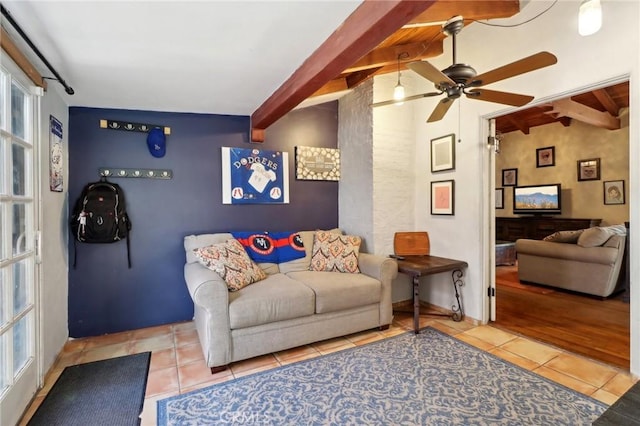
(589, 17)
(398, 91)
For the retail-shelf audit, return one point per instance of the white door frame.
(488, 176)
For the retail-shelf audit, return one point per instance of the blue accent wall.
(104, 295)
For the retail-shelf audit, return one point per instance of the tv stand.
(537, 227)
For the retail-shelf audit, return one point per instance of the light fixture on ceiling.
(589, 17)
(398, 91)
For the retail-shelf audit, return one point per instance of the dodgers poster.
(254, 176)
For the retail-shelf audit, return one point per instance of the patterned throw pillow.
(231, 262)
(335, 252)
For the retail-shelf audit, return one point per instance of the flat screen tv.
(537, 199)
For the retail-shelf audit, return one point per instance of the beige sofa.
(589, 268)
(293, 306)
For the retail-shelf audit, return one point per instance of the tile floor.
(177, 363)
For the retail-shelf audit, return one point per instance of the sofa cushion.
(336, 291)
(594, 237)
(275, 298)
(231, 262)
(570, 237)
(303, 263)
(335, 253)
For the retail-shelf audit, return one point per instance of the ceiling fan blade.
(408, 98)
(431, 73)
(506, 98)
(440, 110)
(525, 65)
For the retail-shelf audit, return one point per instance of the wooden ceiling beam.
(389, 55)
(473, 9)
(607, 101)
(522, 126)
(335, 85)
(361, 32)
(581, 112)
(358, 77)
(565, 121)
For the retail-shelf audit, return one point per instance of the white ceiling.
(221, 57)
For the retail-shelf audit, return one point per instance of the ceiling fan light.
(398, 92)
(589, 17)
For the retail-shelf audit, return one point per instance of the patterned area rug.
(425, 379)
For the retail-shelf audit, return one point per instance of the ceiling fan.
(459, 79)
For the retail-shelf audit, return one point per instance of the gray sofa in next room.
(587, 261)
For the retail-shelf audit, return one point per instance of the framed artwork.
(509, 177)
(546, 157)
(254, 176)
(55, 155)
(317, 163)
(499, 198)
(442, 197)
(443, 153)
(589, 169)
(613, 192)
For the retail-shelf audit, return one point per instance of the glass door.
(18, 337)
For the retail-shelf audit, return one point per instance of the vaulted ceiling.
(228, 58)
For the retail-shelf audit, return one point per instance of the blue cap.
(157, 142)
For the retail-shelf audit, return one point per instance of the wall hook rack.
(132, 127)
(119, 172)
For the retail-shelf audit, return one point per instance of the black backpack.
(100, 216)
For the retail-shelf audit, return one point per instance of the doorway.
(572, 321)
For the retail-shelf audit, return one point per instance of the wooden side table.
(419, 266)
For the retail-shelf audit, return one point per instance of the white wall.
(582, 63)
(54, 284)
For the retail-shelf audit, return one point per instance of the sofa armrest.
(385, 270)
(211, 311)
(206, 288)
(379, 267)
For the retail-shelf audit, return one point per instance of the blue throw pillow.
(260, 246)
(289, 245)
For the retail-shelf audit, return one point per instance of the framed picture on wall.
(613, 192)
(546, 157)
(589, 169)
(499, 198)
(443, 153)
(509, 177)
(442, 197)
(317, 163)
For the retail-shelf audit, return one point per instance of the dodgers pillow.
(289, 246)
(260, 246)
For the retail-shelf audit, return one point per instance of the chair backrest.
(411, 243)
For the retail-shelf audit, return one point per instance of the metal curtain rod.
(15, 25)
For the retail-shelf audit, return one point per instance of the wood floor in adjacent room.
(596, 328)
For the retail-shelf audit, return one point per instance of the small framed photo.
(499, 198)
(509, 177)
(546, 157)
(613, 192)
(589, 169)
(443, 153)
(442, 197)
(317, 163)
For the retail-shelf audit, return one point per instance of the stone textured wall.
(394, 151)
(355, 140)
